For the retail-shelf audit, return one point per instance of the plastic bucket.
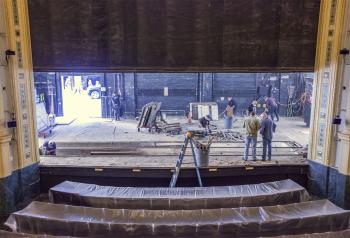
(164, 115)
(201, 156)
(228, 122)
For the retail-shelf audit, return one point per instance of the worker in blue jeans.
(252, 126)
(267, 128)
(272, 107)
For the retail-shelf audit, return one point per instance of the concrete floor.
(106, 130)
(98, 134)
(164, 161)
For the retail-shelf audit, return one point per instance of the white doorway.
(81, 96)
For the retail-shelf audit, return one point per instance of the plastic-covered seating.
(335, 234)
(6, 234)
(299, 218)
(263, 194)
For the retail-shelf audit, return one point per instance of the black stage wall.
(173, 35)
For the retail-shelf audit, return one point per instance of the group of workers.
(271, 108)
(253, 125)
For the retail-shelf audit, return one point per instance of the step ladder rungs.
(179, 161)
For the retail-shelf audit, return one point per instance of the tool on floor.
(115, 128)
(188, 139)
(152, 118)
(228, 135)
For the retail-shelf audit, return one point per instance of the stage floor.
(164, 161)
(90, 152)
(106, 130)
(93, 144)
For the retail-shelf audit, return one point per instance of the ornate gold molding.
(6, 166)
(21, 81)
(327, 80)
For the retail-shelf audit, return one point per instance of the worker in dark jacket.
(205, 123)
(48, 148)
(306, 107)
(272, 107)
(116, 105)
(252, 107)
(267, 128)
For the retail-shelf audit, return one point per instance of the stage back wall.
(173, 35)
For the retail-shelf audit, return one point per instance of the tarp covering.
(336, 234)
(6, 234)
(264, 194)
(298, 218)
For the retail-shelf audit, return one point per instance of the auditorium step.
(7, 234)
(291, 219)
(335, 234)
(263, 194)
(279, 209)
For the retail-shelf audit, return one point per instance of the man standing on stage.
(267, 128)
(252, 126)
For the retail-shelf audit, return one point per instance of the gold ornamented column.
(21, 76)
(6, 165)
(342, 148)
(329, 150)
(326, 80)
(19, 177)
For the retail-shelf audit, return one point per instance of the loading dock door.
(174, 90)
(241, 87)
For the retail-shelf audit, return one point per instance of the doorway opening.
(81, 95)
